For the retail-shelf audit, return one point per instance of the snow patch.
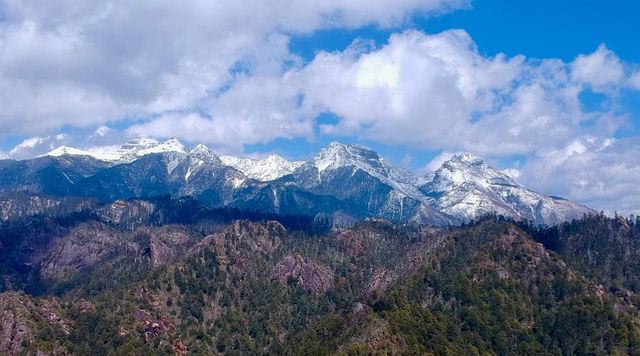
(264, 170)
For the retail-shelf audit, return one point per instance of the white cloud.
(512, 172)
(439, 92)
(36, 145)
(599, 69)
(418, 89)
(602, 173)
(65, 62)
(256, 109)
(437, 161)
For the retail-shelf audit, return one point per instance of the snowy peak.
(468, 159)
(128, 152)
(107, 154)
(170, 145)
(66, 150)
(266, 169)
(200, 149)
(467, 187)
(203, 153)
(337, 155)
(464, 187)
(468, 169)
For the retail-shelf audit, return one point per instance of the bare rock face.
(86, 245)
(21, 317)
(14, 330)
(152, 327)
(90, 244)
(242, 240)
(50, 311)
(310, 276)
(352, 240)
(380, 281)
(179, 348)
(133, 211)
(160, 245)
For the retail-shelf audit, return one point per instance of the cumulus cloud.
(439, 92)
(256, 109)
(599, 69)
(426, 85)
(427, 91)
(33, 146)
(67, 62)
(602, 173)
(438, 160)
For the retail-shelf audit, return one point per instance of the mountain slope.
(466, 187)
(377, 288)
(128, 152)
(359, 176)
(266, 169)
(346, 181)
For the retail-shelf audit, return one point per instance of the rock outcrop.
(308, 275)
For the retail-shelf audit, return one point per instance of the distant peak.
(275, 158)
(265, 169)
(341, 155)
(203, 152)
(467, 158)
(173, 140)
(349, 147)
(468, 169)
(106, 154)
(170, 145)
(200, 148)
(65, 150)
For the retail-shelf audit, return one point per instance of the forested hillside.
(128, 278)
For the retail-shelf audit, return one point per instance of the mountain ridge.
(340, 178)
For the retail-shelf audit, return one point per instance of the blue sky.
(548, 89)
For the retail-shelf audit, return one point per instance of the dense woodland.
(163, 276)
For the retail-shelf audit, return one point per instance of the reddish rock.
(352, 240)
(379, 281)
(179, 349)
(152, 327)
(311, 276)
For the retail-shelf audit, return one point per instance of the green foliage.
(482, 289)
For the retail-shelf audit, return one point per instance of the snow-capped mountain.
(466, 187)
(266, 169)
(338, 155)
(107, 155)
(130, 151)
(359, 175)
(352, 180)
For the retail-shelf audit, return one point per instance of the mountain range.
(152, 248)
(342, 182)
